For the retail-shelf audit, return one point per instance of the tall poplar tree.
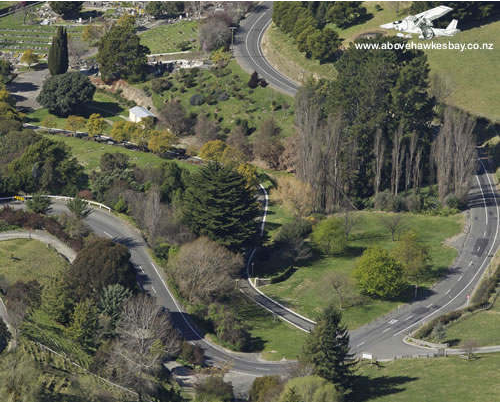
(58, 53)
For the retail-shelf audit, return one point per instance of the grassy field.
(166, 38)
(469, 72)
(25, 260)
(307, 290)
(244, 103)
(431, 380)
(483, 327)
(89, 153)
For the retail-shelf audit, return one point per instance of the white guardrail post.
(61, 198)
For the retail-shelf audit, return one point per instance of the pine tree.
(58, 53)
(84, 323)
(218, 204)
(328, 349)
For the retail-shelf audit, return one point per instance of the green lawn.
(107, 106)
(253, 105)
(307, 290)
(89, 153)
(483, 327)
(470, 73)
(431, 380)
(25, 260)
(166, 38)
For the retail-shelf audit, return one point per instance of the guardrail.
(58, 197)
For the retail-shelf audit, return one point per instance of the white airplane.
(422, 24)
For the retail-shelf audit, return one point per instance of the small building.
(138, 113)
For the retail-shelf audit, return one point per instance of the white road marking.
(460, 278)
(484, 261)
(409, 317)
(107, 234)
(482, 193)
(470, 263)
(429, 306)
(360, 344)
(485, 233)
(448, 291)
(142, 270)
(385, 330)
(393, 321)
(153, 289)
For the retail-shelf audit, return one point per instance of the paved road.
(383, 338)
(26, 87)
(148, 276)
(248, 52)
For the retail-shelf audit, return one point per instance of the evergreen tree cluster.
(306, 23)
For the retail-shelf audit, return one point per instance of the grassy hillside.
(166, 38)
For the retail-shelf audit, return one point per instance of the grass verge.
(431, 380)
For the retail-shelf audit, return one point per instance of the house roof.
(139, 111)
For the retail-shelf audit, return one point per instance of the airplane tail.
(452, 25)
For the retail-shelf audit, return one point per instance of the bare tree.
(145, 338)
(205, 130)
(417, 169)
(295, 195)
(394, 223)
(350, 221)
(454, 153)
(344, 289)
(397, 159)
(410, 159)
(379, 153)
(76, 49)
(204, 270)
(441, 86)
(324, 154)
(152, 213)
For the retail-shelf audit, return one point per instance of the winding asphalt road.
(248, 52)
(107, 225)
(384, 337)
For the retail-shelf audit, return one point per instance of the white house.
(137, 113)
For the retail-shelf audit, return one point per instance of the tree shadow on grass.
(367, 388)
(105, 109)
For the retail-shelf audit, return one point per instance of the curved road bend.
(383, 338)
(107, 225)
(248, 52)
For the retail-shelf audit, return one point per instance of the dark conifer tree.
(219, 204)
(328, 349)
(58, 53)
(253, 82)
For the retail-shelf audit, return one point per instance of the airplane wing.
(434, 13)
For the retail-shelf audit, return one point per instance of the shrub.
(192, 354)
(63, 94)
(223, 96)
(253, 82)
(162, 251)
(197, 100)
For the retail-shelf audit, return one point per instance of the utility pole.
(232, 36)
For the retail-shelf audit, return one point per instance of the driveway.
(25, 88)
